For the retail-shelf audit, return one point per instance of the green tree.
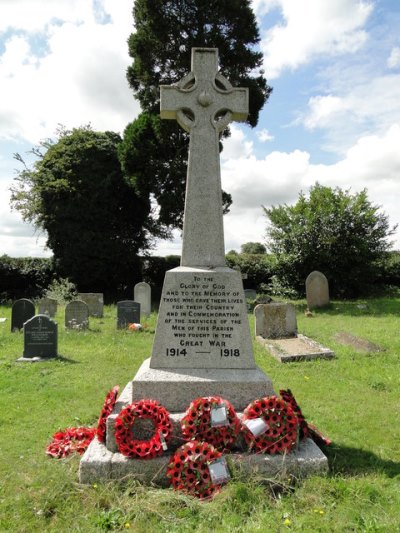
(332, 230)
(253, 248)
(154, 152)
(95, 221)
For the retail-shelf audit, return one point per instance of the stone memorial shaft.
(203, 103)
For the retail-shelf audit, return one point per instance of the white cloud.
(237, 146)
(33, 15)
(313, 28)
(264, 135)
(373, 162)
(394, 58)
(81, 79)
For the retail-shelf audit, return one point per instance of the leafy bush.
(339, 233)
(62, 290)
(258, 267)
(24, 277)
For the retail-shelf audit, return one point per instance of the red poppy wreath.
(106, 410)
(70, 440)
(270, 426)
(124, 429)
(189, 470)
(211, 419)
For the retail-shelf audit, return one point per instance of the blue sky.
(333, 117)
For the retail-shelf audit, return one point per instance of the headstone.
(317, 290)
(275, 320)
(48, 306)
(94, 301)
(142, 294)
(21, 311)
(76, 315)
(128, 312)
(40, 337)
(250, 294)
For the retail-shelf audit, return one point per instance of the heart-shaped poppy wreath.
(124, 429)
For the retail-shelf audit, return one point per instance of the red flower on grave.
(124, 429)
(196, 423)
(281, 426)
(306, 429)
(189, 471)
(70, 440)
(288, 397)
(106, 410)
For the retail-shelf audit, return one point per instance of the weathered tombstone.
(47, 306)
(94, 301)
(250, 294)
(128, 312)
(317, 290)
(21, 311)
(275, 320)
(76, 315)
(142, 294)
(202, 344)
(40, 337)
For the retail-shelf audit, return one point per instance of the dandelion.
(287, 522)
(306, 378)
(127, 525)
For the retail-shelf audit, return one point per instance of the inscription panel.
(202, 321)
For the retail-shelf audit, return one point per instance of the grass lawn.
(354, 399)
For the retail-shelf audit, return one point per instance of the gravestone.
(202, 344)
(317, 290)
(142, 294)
(76, 315)
(275, 320)
(94, 301)
(21, 311)
(250, 294)
(128, 312)
(47, 306)
(40, 337)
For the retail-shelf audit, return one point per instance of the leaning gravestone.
(142, 294)
(47, 306)
(76, 315)
(317, 290)
(40, 338)
(94, 301)
(202, 344)
(21, 311)
(128, 312)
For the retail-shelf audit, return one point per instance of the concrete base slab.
(99, 465)
(299, 348)
(175, 389)
(32, 359)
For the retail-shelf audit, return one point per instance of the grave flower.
(106, 410)
(70, 440)
(270, 426)
(124, 429)
(211, 419)
(189, 469)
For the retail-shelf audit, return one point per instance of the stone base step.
(101, 465)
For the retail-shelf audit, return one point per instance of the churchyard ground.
(354, 399)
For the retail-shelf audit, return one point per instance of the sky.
(333, 116)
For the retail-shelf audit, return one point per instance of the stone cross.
(203, 103)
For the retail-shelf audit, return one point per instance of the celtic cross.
(203, 103)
